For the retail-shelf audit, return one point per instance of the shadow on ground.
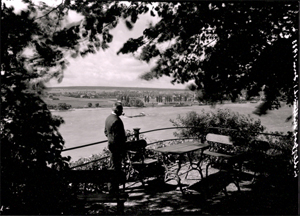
(263, 197)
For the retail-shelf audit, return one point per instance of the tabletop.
(182, 148)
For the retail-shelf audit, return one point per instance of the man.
(115, 132)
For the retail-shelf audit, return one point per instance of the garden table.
(180, 150)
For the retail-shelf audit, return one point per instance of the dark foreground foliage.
(261, 39)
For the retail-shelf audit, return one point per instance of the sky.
(106, 68)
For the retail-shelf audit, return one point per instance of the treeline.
(60, 106)
(147, 95)
(169, 99)
(130, 101)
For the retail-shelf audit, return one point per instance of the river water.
(84, 126)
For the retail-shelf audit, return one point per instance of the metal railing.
(137, 133)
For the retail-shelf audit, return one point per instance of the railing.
(137, 133)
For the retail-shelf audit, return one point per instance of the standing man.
(115, 132)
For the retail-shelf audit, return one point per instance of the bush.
(279, 155)
(31, 148)
(101, 159)
(243, 129)
(271, 152)
(64, 106)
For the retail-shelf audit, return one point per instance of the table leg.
(195, 166)
(165, 164)
(177, 174)
(171, 173)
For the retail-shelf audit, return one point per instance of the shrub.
(64, 106)
(271, 152)
(31, 155)
(279, 155)
(243, 129)
(98, 161)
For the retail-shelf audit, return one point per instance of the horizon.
(136, 87)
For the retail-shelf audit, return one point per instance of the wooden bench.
(225, 161)
(87, 186)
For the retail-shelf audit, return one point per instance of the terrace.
(268, 194)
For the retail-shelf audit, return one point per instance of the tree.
(136, 103)
(64, 106)
(35, 45)
(224, 47)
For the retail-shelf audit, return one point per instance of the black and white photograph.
(149, 107)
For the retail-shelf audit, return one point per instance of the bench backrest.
(136, 150)
(222, 139)
(138, 145)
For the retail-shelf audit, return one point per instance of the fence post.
(136, 133)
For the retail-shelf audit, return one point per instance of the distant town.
(81, 97)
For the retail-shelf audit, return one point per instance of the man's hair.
(117, 106)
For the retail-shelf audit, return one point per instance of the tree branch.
(49, 11)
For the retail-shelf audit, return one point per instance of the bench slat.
(147, 161)
(218, 139)
(215, 154)
(224, 140)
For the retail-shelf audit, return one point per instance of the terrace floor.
(264, 197)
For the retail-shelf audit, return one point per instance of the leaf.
(83, 53)
(147, 76)
(85, 33)
(152, 13)
(128, 25)
(104, 45)
(99, 27)
(109, 38)
(134, 17)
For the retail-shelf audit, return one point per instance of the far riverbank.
(88, 103)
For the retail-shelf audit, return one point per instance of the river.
(84, 126)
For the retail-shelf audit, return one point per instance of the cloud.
(106, 68)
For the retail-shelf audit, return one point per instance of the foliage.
(136, 103)
(52, 106)
(30, 143)
(244, 128)
(64, 106)
(131, 102)
(97, 161)
(224, 48)
(269, 153)
(102, 157)
(280, 153)
(35, 45)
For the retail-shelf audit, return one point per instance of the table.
(186, 148)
